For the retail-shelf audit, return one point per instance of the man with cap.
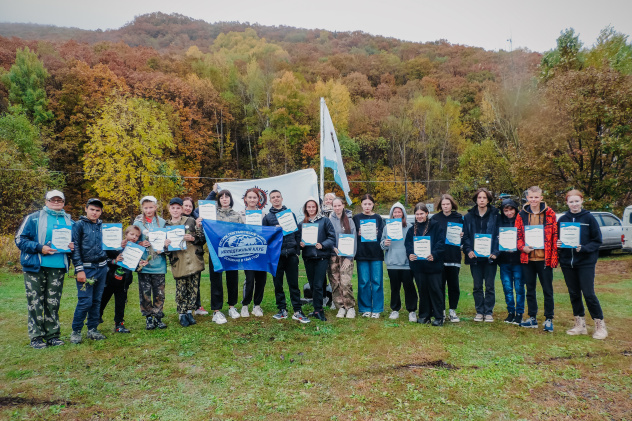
(90, 261)
(44, 269)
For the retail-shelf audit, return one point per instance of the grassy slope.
(342, 369)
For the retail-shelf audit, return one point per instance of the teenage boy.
(44, 269)
(288, 263)
(538, 262)
(91, 268)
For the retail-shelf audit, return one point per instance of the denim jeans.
(511, 277)
(370, 286)
(89, 301)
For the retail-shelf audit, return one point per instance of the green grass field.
(260, 368)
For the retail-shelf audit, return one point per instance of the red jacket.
(550, 235)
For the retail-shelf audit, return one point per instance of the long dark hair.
(344, 219)
(422, 207)
(225, 193)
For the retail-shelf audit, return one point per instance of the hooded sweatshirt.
(452, 253)
(474, 223)
(508, 257)
(291, 241)
(589, 238)
(326, 234)
(545, 216)
(432, 229)
(395, 255)
(337, 224)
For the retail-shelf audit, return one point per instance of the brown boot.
(579, 328)
(600, 329)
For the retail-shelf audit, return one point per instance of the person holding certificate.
(44, 269)
(341, 261)
(427, 270)
(255, 279)
(452, 223)
(288, 261)
(186, 263)
(537, 241)
(370, 259)
(578, 264)
(509, 263)
(316, 257)
(480, 245)
(398, 267)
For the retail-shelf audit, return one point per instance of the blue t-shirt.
(53, 260)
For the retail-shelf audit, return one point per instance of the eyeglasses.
(56, 200)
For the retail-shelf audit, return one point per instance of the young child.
(90, 263)
(151, 278)
(186, 265)
(511, 269)
(119, 279)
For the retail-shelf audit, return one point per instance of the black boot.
(159, 323)
(149, 324)
(437, 322)
(191, 319)
(423, 320)
(184, 320)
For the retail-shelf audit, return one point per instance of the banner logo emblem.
(242, 246)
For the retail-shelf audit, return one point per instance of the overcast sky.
(533, 24)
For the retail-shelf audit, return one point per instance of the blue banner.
(235, 246)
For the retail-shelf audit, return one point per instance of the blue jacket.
(31, 237)
(326, 238)
(88, 241)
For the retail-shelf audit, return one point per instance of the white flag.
(330, 151)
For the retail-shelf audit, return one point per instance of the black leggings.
(451, 278)
(581, 281)
(399, 277)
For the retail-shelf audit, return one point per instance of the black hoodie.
(452, 254)
(589, 238)
(437, 246)
(508, 257)
(474, 223)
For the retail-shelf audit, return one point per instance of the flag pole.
(322, 157)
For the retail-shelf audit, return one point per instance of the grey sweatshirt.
(395, 255)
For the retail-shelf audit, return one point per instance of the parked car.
(627, 229)
(611, 231)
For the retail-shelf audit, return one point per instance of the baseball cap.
(176, 201)
(148, 199)
(55, 193)
(94, 202)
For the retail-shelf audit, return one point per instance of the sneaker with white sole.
(351, 313)
(201, 312)
(394, 315)
(257, 311)
(412, 317)
(341, 313)
(489, 318)
(375, 315)
(548, 325)
(366, 314)
(282, 314)
(531, 322)
(219, 318)
(478, 318)
(453, 317)
(244, 312)
(233, 313)
(75, 337)
(300, 317)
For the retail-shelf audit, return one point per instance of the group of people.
(424, 278)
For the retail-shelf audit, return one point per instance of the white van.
(627, 229)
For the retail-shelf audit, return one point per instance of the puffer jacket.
(337, 224)
(550, 234)
(452, 253)
(326, 235)
(474, 223)
(31, 238)
(437, 247)
(88, 239)
(291, 242)
(589, 239)
(189, 261)
(395, 255)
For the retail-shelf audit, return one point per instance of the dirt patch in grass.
(436, 364)
(611, 270)
(7, 401)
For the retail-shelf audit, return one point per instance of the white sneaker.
(453, 317)
(394, 315)
(244, 312)
(412, 317)
(341, 313)
(257, 311)
(351, 313)
(232, 312)
(219, 318)
(333, 305)
(201, 312)
(375, 315)
(366, 314)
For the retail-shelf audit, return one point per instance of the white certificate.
(254, 217)
(287, 222)
(508, 239)
(569, 234)
(534, 236)
(394, 230)
(310, 234)
(131, 256)
(368, 230)
(157, 238)
(61, 238)
(112, 236)
(421, 247)
(453, 234)
(207, 209)
(346, 245)
(483, 245)
(175, 233)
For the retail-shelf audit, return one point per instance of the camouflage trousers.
(43, 296)
(340, 281)
(186, 292)
(148, 284)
